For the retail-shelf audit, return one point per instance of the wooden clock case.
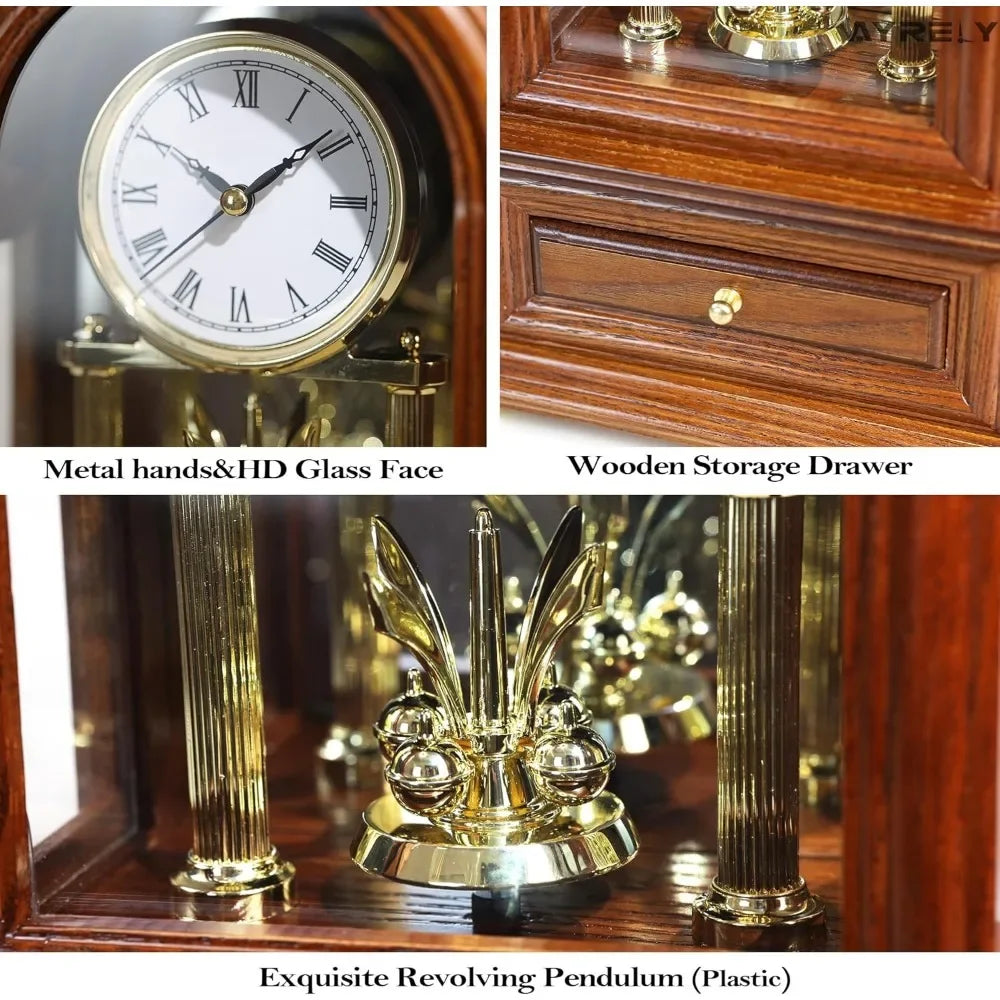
(865, 242)
(447, 48)
(910, 867)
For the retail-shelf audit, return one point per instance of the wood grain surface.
(695, 382)
(921, 646)
(668, 281)
(15, 852)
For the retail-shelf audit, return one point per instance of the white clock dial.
(243, 200)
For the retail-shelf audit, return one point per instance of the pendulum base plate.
(729, 30)
(581, 841)
(790, 921)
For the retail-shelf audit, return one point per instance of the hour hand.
(219, 183)
(270, 176)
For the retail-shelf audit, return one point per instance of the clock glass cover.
(244, 201)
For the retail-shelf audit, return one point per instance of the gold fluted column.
(758, 900)
(232, 855)
(409, 421)
(819, 715)
(910, 58)
(409, 415)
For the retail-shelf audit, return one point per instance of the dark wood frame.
(447, 49)
(590, 147)
(921, 650)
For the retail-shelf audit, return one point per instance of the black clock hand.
(270, 176)
(181, 245)
(214, 179)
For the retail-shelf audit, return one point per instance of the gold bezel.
(325, 341)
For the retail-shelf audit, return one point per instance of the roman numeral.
(297, 301)
(349, 201)
(238, 311)
(163, 147)
(188, 289)
(195, 105)
(326, 252)
(141, 195)
(150, 246)
(338, 144)
(246, 81)
(302, 97)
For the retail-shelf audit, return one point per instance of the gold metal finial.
(650, 24)
(910, 58)
(234, 201)
(726, 304)
(786, 33)
(510, 792)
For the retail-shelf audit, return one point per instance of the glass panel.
(80, 762)
(818, 59)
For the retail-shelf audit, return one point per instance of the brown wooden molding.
(968, 95)
(920, 581)
(15, 842)
(563, 103)
(21, 28)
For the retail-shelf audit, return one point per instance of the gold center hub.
(234, 201)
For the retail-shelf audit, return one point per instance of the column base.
(636, 31)
(268, 876)
(789, 921)
(907, 72)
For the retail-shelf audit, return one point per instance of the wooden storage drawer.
(666, 280)
(847, 335)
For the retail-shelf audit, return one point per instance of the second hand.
(181, 245)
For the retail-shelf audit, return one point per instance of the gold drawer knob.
(726, 304)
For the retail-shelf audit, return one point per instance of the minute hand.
(270, 176)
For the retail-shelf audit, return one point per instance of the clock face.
(242, 199)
